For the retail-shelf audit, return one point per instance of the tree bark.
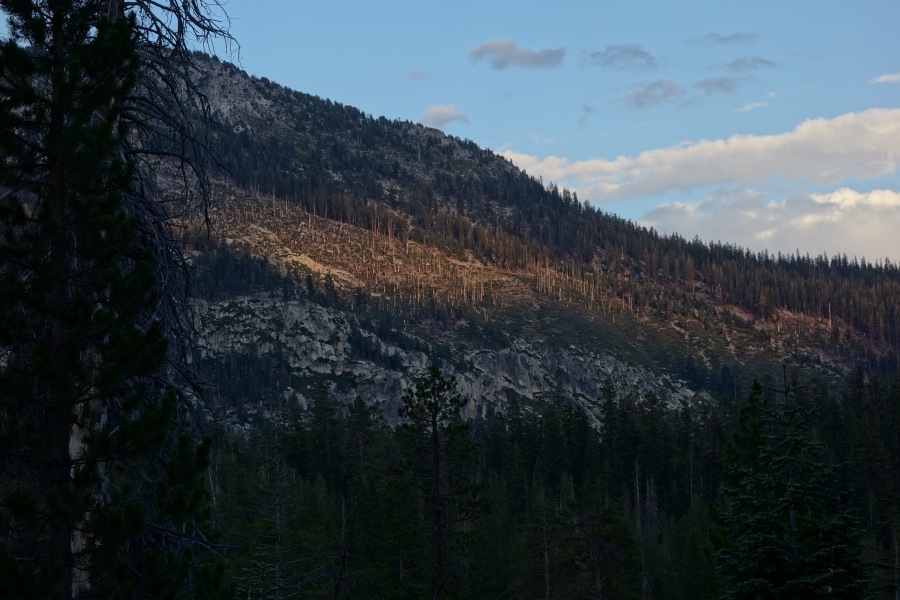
(57, 406)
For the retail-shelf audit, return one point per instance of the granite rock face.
(308, 341)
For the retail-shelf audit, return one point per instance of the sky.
(769, 124)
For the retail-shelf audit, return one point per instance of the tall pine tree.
(99, 496)
(442, 463)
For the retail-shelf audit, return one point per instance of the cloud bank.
(845, 220)
(623, 57)
(864, 145)
(505, 53)
(441, 114)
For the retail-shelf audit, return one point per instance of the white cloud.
(441, 114)
(864, 145)
(889, 78)
(506, 53)
(845, 220)
(752, 106)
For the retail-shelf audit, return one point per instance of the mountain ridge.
(435, 229)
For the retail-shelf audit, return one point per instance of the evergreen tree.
(787, 533)
(275, 556)
(691, 575)
(603, 550)
(542, 572)
(99, 496)
(326, 432)
(443, 460)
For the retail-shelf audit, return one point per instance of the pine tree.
(443, 459)
(542, 574)
(326, 433)
(99, 495)
(787, 533)
(603, 550)
(275, 561)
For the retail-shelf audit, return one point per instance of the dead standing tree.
(170, 119)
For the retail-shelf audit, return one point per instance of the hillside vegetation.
(604, 376)
(410, 182)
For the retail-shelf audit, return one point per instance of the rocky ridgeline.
(311, 341)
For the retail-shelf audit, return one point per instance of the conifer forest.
(255, 344)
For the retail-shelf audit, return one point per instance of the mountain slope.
(456, 242)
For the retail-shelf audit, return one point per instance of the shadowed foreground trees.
(788, 531)
(100, 488)
(559, 516)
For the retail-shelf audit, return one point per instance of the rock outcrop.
(309, 341)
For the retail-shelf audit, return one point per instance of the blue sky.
(760, 123)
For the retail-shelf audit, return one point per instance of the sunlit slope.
(433, 225)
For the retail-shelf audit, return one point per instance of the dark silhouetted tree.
(99, 487)
(787, 531)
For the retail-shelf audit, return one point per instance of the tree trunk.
(58, 409)
(436, 533)
(896, 564)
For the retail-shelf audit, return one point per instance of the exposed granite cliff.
(308, 340)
